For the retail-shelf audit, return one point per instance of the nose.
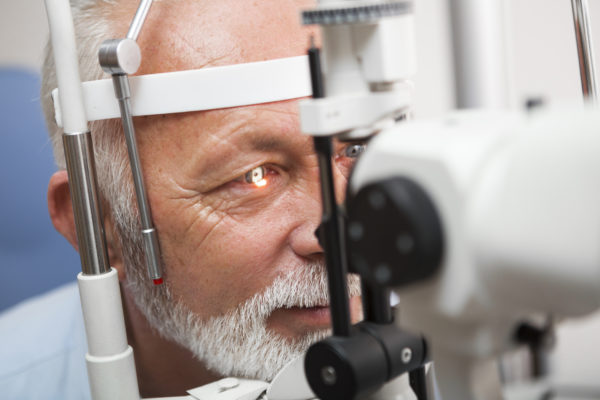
(303, 238)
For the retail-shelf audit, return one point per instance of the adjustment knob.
(359, 12)
(120, 56)
(340, 368)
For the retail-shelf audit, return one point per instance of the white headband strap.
(200, 89)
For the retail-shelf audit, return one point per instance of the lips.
(299, 320)
(316, 316)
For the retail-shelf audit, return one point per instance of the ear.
(61, 208)
(61, 214)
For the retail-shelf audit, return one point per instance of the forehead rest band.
(200, 89)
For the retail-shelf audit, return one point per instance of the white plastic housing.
(534, 220)
(367, 69)
(111, 368)
(519, 205)
(322, 117)
(111, 377)
(519, 201)
(445, 158)
(62, 34)
(397, 389)
(341, 69)
(357, 55)
(387, 50)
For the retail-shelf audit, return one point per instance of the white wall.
(542, 47)
(542, 53)
(23, 29)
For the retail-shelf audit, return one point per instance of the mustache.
(304, 287)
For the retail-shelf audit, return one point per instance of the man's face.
(225, 239)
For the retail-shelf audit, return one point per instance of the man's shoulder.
(43, 347)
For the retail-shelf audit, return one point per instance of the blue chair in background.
(34, 258)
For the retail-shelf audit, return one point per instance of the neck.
(163, 367)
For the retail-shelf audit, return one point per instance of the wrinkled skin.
(223, 240)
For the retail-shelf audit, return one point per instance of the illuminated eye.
(354, 150)
(256, 176)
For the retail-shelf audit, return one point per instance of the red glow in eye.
(261, 183)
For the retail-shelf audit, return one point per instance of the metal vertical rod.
(332, 243)
(418, 382)
(153, 259)
(583, 35)
(79, 155)
(122, 90)
(376, 303)
(138, 19)
(478, 40)
(330, 229)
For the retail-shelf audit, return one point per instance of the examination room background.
(542, 61)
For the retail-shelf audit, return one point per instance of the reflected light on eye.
(261, 183)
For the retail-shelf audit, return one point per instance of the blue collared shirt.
(42, 348)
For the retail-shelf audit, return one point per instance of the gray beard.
(237, 343)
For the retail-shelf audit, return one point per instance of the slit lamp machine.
(481, 221)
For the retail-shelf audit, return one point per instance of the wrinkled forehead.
(191, 34)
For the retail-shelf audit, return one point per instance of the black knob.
(351, 367)
(345, 368)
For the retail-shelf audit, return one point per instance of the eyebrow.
(267, 143)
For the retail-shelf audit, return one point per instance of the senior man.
(245, 284)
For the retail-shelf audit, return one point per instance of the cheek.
(216, 260)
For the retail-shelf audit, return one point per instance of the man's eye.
(353, 150)
(256, 176)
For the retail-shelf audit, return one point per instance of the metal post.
(151, 246)
(331, 229)
(79, 154)
(138, 19)
(583, 34)
(77, 142)
(479, 51)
